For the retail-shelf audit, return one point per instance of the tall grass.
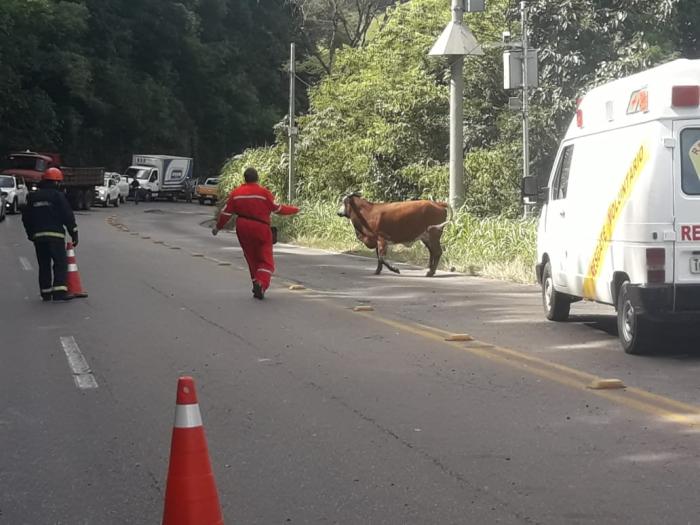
(495, 247)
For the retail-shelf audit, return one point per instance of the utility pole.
(526, 122)
(291, 191)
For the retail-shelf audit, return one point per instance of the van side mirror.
(530, 189)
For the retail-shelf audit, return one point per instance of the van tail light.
(685, 96)
(656, 265)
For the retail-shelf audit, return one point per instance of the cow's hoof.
(395, 270)
(430, 273)
(377, 272)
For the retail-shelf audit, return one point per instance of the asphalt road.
(316, 413)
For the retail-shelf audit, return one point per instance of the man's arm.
(225, 215)
(282, 209)
(68, 218)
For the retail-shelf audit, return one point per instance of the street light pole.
(291, 190)
(456, 42)
(526, 124)
(456, 197)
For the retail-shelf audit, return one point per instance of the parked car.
(208, 191)
(122, 184)
(108, 193)
(14, 190)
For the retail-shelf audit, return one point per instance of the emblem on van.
(639, 102)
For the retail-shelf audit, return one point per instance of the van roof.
(642, 97)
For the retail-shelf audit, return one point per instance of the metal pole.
(456, 118)
(292, 193)
(526, 124)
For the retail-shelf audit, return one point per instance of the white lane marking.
(82, 375)
(26, 265)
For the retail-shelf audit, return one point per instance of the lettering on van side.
(613, 214)
(690, 232)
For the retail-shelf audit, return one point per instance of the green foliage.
(100, 80)
(268, 162)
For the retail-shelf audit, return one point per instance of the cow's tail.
(450, 213)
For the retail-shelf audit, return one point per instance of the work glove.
(214, 231)
(74, 237)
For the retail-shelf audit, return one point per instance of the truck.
(209, 191)
(620, 222)
(78, 183)
(162, 176)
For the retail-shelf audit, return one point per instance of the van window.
(561, 179)
(690, 161)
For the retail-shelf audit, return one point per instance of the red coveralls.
(253, 205)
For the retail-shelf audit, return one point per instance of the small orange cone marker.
(191, 497)
(73, 278)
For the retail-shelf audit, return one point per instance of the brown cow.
(379, 224)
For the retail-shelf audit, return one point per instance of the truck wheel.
(107, 202)
(556, 305)
(201, 201)
(88, 198)
(149, 196)
(635, 331)
(116, 203)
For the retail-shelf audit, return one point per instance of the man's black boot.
(258, 292)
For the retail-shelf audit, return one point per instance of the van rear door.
(686, 168)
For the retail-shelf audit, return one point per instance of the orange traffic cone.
(73, 278)
(191, 497)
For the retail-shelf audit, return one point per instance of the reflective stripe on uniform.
(250, 197)
(72, 267)
(278, 208)
(226, 213)
(264, 270)
(50, 234)
(60, 289)
(46, 290)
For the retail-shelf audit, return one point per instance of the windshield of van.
(690, 161)
(6, 182)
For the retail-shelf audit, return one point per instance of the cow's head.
(344, 210)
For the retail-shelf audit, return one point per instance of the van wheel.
(107, 202)
(556, 305)
(13, 207)
(116, 203)
(149, 196)
(635, 331)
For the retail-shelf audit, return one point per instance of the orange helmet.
(53, 174)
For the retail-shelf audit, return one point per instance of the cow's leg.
(434, 235)
(425, 239)
(379, 263)
(381, 253)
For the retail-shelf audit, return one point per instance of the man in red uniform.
(252, 204)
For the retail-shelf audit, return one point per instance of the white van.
(621, 220)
